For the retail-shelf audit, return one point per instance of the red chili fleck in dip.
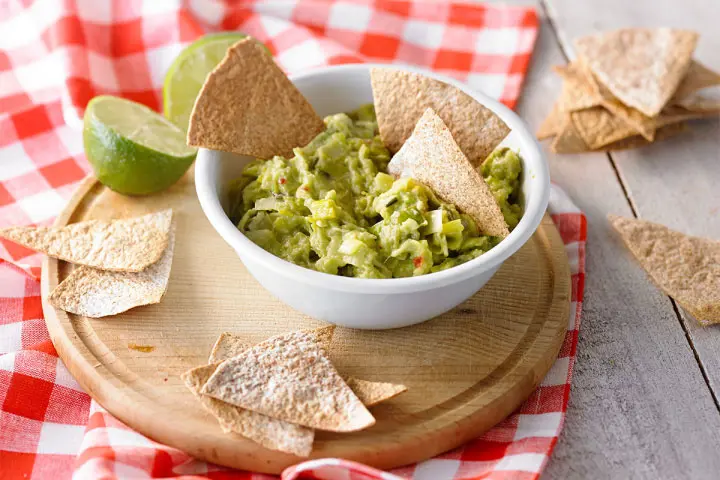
(417, 261)
(283, 181)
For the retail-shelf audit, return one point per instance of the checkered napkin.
(55, 56)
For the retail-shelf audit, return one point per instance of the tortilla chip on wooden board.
(432, 157)
(698, 77)
(642, 67)
(289, 377)
(249, 107)
(230, 344)
(267, 431)
(401, 98)
(686, 268)
(99, 293)
(370, 393)
(124, 245)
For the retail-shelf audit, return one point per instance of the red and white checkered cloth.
(56, 55)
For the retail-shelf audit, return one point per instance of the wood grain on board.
(639, 405)
(465, 370)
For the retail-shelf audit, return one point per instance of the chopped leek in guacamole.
(332, 208)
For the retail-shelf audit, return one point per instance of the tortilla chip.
(706, 102)
(686, 268)
(598, 127)
(230, 345)
(552, 125)
(249, 107)
(642, 67)
(568, 140)
(401, 98)
(98, 293)
(577, 93)
(698, 77)
(289, 377)
(432, 157)
(125, 245)
(638, 141)
(267, 431)
(372, 393)
(227, 345)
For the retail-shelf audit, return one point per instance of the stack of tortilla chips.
(121, 264)
(629, 88)
(439, 135)
(279, 391)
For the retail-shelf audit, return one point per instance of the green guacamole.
(332, 208)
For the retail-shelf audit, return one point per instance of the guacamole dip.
(332, 208)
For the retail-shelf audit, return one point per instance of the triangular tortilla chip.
(125, 245)
(432, 157)
(289, 377)
(686, 268)
(698, 77)
(638, 141)
(598, 127)
(642, 67)
(267, 431)
(98, 293)
(226, 346)
(569, 140)
(577, 92)
(230, 344)
(402, 97)
(249, 107)
(552, 124)
(372, 393)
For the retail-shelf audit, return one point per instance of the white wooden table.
(644, 399)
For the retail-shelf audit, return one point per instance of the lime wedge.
(132, 149)
(186, 75)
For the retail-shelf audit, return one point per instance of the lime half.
(132, 149)
(186, 75)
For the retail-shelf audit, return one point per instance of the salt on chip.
(289, 377)
(267, 431)
(124, 245)
(249, 107)
(99, 293)
(432, 157)
(372, 393)
(401, 98)
(642, 67)
(686, 268)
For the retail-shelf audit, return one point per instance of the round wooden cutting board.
(465, 370)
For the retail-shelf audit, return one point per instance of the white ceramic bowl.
(371, 303)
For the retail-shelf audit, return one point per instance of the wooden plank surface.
(639, 405)
(674, 183)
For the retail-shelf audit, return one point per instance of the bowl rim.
(535, 206)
